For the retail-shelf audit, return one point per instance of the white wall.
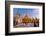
(2, 18)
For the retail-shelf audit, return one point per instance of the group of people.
(34, 21)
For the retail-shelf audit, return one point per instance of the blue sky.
(21, 11)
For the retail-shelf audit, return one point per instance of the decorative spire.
(26, 14)
(17, 14)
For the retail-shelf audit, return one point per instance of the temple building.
(25, 19)
(17, 18)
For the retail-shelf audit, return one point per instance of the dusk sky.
(31, 12)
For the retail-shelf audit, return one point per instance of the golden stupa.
(26, 19)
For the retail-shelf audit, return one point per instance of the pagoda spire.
(26, 14)
(17, 13)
